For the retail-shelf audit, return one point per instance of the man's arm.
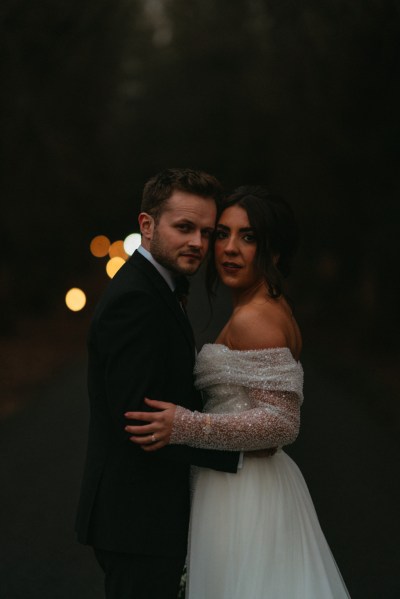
(130, 361)
(131, 338)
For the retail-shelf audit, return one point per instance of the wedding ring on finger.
(153, 438)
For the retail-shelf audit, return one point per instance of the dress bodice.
(225, 376)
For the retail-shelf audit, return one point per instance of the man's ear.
(146, 224)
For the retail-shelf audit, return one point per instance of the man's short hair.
(161, 187)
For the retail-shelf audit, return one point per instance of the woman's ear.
(146, 224)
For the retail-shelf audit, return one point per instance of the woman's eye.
(249, 238)
(220, 235)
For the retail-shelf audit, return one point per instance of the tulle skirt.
(256, 535)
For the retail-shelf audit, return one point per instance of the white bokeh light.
(131, 243)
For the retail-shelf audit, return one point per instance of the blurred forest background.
(302, 96)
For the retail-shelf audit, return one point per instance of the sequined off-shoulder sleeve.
(272, 381)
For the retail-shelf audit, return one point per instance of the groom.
(134, 505)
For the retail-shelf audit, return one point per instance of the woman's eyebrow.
(242, 230)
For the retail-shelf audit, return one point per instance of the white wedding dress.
(254, 534)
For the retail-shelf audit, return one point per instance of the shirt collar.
(164, 272)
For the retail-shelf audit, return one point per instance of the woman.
(254, 534)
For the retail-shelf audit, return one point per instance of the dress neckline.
(285, 350)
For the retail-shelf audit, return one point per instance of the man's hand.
(157, 432)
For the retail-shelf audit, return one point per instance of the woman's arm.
(273, 422)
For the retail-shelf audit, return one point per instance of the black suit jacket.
(140, 345)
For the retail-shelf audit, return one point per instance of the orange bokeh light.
(75, 299)
(116, 249)
(113, 265)
(99, 246)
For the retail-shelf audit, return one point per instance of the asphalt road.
(347, 450)
(41, 459)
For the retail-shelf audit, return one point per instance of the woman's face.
(235, 249)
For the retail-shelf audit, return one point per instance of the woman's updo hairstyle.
(276, 231)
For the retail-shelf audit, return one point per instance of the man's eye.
(184, 227)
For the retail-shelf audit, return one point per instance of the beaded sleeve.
(253, 400)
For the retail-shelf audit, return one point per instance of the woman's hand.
(157, 432)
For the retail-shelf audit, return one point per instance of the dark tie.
(181, 291)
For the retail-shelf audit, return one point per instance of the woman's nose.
(231, 246)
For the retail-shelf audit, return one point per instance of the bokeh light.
(116, 249)
(132, 242)
(99, 246)
(113, 266)
(75, 299)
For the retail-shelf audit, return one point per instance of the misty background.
(303, 97)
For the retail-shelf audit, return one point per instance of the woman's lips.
(230, 266)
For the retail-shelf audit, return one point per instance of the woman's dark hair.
(276, 231)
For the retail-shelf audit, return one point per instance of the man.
(134, 505)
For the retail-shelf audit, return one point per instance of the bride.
(254, 534)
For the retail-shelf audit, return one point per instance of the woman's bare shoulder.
(256, 327)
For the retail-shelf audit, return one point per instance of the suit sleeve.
(128, 361)
(129, 338)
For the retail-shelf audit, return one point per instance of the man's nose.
(196, 239)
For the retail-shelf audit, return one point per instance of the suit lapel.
(164, 291)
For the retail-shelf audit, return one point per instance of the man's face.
(179, 240)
